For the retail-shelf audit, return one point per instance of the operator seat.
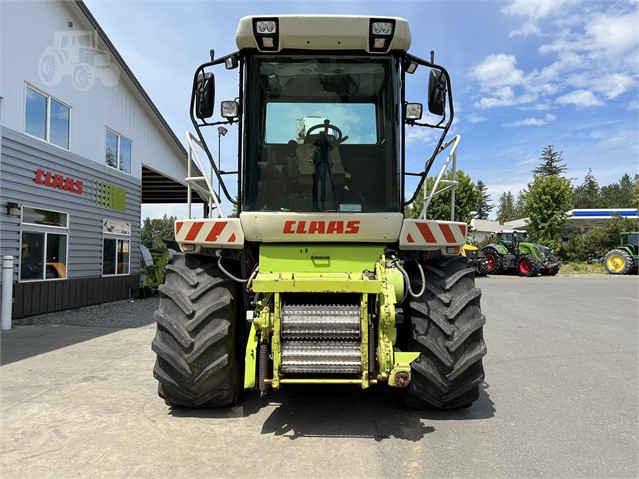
(305, 152)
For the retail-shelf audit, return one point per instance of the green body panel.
(499, 247)
(531, 249)
(630, 243)
(305, 258)
(314, 283)
(290, 269)
(631, 251)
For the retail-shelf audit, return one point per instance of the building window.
(116, 245)
(44, 244)
(118, 151)
(47, 118)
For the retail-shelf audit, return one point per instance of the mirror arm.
(198, 127)
(445, 128)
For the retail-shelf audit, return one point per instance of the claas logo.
(335, 227)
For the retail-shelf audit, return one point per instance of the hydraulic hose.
(409, 290)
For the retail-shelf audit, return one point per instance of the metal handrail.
(194, 182)
(452, 183)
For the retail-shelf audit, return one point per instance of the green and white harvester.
(320, 278)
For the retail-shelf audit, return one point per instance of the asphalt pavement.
(560, 400)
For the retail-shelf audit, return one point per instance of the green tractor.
(512, 253)
(624, 258)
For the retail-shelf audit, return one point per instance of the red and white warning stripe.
(217, 232)
(431, 235)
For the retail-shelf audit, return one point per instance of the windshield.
(321, 134)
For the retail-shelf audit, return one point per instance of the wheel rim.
(616, 262)
(490, 261)
(524, 266)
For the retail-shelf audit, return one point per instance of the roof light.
(266, 27)
(379, 43)
(381, 34)
(267, 42)
(266, 32)
(382, 28)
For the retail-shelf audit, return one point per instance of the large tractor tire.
(195, 342)
(495, 261)
(446, 327)
(528, 266)
(618, 261)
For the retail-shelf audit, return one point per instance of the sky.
(525, 74)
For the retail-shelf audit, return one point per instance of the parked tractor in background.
(512, 253)
(320, 279)
(476, 259)
(624, 258)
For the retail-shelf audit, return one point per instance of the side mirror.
(436, 93)
(204, 95)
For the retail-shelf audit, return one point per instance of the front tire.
(446, 327)
(195, 342)
(618, 261)
(528, 266)
(495, 261)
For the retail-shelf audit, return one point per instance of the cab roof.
(324, 32)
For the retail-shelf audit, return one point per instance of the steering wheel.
(339, 136)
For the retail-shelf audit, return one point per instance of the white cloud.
(532, 121)
(475, 118)
(498, 71)
(421, 135)
(533, 11)
(580, 98)
(595, 56)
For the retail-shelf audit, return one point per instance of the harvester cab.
(319, 278)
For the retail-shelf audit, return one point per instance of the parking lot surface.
(560, 400)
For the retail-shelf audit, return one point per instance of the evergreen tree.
(620, 194)
(506, 209)
(586, 195)
(520, 204)
(551, 163)
(484, 205)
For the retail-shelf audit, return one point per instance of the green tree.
(551, 163)
(520, 204)
(484, 205)
(466, 198)
(547, 201)
(156, 232)
(506, 208)
(586, 195)
(620, 194)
